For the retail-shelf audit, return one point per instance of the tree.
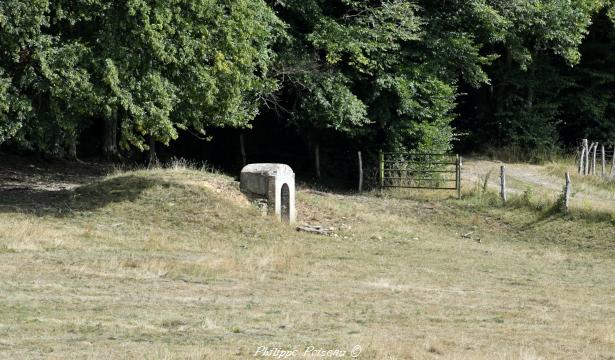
(538, 46)
(364, 69)
(588, 102)
(148, 68)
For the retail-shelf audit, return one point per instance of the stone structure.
(274, 182)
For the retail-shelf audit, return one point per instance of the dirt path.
(532, 175)
(540, 178)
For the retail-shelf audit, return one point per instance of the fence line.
(587, 155)
(564, 197)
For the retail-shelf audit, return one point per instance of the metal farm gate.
(420, 171)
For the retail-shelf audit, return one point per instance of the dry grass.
(592, 196)
(174, 264)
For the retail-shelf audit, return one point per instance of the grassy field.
(175, 263)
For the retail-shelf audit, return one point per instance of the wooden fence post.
(588, 148)
(503, 183)
(360, 172)
(613, 164)
(458, 171)
(594, 159)
(381, 171)
(567, 193)
(603, 160)
(588, 159)
(581, 161)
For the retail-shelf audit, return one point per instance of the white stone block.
(274, 182)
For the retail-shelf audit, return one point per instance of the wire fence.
(590, 153)
(363, 169)
(420, 171)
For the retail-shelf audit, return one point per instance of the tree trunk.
(360, 172)
(500, 96)
(72, 149)
(530, 83)
(242, 148)
(314, 149)
(110, 137)
(317, 159)
(153, 159)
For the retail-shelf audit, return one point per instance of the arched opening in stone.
(285, 203)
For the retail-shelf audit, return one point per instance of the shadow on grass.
(89, 197)
(543, 210)
(589, 216)
(554, 210)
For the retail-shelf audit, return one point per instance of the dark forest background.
(299, 79)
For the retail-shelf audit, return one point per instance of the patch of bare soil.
(230, 190)
(30, 184)
(477, 170)
(521, 176)
(33, 174)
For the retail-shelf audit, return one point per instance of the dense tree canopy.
(150, 67)
(390, 73)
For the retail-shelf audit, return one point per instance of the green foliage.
(589, 100)
(162, 66)
(364, 68)
(367, 38)
(555, 25)
(330, 103)
(531, 98)
(388, 73)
